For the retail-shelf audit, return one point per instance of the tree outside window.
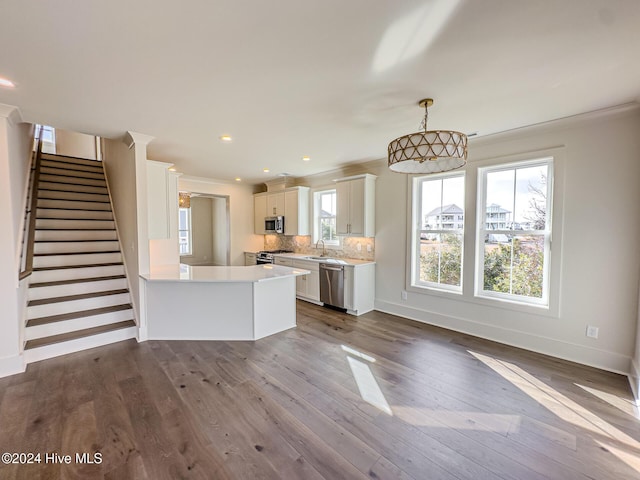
(325, 205)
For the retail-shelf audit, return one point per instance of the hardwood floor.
(375, 396)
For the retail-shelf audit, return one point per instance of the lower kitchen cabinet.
(250, 258)
(308, 286)
(359, 288)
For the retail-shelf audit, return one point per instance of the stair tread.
(73, 209)
(75, 280)
(80, 296)
(74, 241)
(88, 265)
(34, 322)
(38, 217)
(69, 176)
(64, 161)
(75, 253)
(47, 156)
(87, 332)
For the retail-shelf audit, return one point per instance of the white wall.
(600, 256)
(15, 157)
(74, 144)
(220, 227)
(120, 170)
(240, 196)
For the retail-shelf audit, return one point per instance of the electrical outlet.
(404, 294)
(592, 332)
(359, 247)
(369, 248)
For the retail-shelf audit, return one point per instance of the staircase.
(78, 296)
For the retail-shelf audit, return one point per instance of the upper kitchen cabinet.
(259, 213)
(296, 211)
(275, 204)
(162, 193)
(291, 203)
(355, 206)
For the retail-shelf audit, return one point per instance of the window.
(514, 231)
(48, 138)
(184, 230)
(438, 231)
(325, 217)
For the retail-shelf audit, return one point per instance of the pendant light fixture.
(429, 151)
(184, 200)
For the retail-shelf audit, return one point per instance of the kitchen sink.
(320, 258)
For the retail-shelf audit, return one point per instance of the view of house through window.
(439, 230)
(515, 231)
(325, 216)
(184, 230)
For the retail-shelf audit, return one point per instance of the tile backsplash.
(303, 244)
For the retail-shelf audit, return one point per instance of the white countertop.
(328, 259)
(250, 274)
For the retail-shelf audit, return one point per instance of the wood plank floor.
(375, 396)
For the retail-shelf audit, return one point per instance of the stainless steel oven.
(266, 256)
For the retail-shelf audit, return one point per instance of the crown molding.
(11, 113)
(135, 138)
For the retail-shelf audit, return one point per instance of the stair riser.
(74, 160)
(74, 224)
(72, 166)
(73, 205)
(57, 328)
(81, 259)
(75, 247)
(75, 273)
(71, 174)
(87, 197)
(39, 311)
(63, 348)
(80, 235)
(79, 214)
(37, 293)
(72, 188)
(48, 177)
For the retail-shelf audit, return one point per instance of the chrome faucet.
(324, 253)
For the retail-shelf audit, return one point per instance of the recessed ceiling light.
(306, 159)
(6, 83)
(225, 138)
(238, 179)
(265, 170)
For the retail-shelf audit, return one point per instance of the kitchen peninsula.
(219, 303)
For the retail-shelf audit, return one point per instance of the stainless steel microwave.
(274, 225)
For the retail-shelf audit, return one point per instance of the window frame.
(317, 219)
(417, 221)
(189, 231)
(481, 231)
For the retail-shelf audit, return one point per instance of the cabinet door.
(275, 204)
(291, 213)
(356, 207)
(249, 259)
(313, 285)
(287, 262)
(349, 289)
(342, 208)
(259, 212)
(301, 285)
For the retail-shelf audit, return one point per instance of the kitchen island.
(185, 302)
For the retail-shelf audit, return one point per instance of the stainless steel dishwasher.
(332, 284)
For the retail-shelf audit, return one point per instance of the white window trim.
(315, 208)
(468, 282)
(190, 231)
(481, 231)
(416, 230)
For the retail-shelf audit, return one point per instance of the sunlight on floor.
(459, 420)
(369, 388)
(565, 408)
(358, 354)
(624, 405)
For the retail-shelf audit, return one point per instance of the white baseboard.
(634, 381)
(593, 357)
(12, 365)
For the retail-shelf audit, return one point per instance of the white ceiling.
(335, 80)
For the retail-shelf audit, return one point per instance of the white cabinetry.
(275, 204)
(355, 206)
(359, 288)
(250, 258)
(296, 211)
(259, 213)
(158, 199)
(308, 286)
(292, 203)
(287, 262)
